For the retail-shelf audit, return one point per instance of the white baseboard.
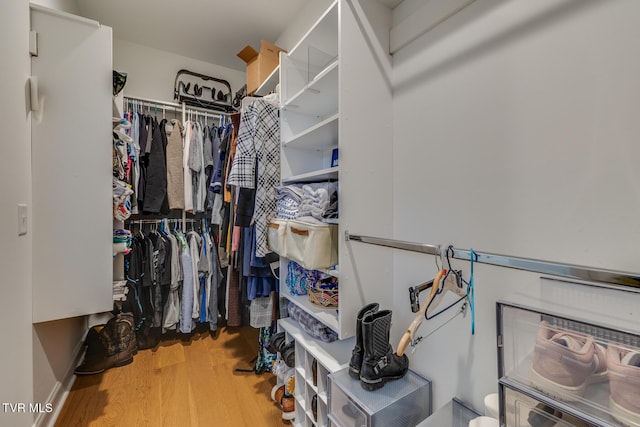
(60, 391)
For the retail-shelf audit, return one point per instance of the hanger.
(409, 335)
(185, 88)
(451, 282)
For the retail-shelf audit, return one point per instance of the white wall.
(56, 349)
(69, 6)
(516, 132)
(151, 72)
(15, 260)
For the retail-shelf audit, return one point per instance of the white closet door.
(71, 159)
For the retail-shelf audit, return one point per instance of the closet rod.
(571, 271)
(158, 221)
(154, 102)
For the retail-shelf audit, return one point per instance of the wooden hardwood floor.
(179, 384)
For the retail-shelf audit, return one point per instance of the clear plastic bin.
(587, 371)
(524, 411)
(404, 402)
(456, 413)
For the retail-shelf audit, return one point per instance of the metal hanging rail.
(174, 105)
(571, 271)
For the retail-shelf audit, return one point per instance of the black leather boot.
(356, 355)
(380, 364)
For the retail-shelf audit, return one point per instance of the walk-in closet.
(327, 213)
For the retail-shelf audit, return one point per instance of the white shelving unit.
(329, 357)
(318, 97)
(320, 136)
(314, 176)
(328, 316)
(335, 95)
(269, 85)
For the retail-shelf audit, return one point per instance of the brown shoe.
(288, 405)
(113, 344)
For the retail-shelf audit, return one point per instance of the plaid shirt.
(258, 146)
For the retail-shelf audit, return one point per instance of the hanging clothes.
(186, 303)
(195, 241)
(225, 145)
(186, 170)
(211, 158)
(229, 163)
(203, 273)
(156, 180)
(175, 175)
(234, 305)
(171, 316)
(196, 163)
(134, 155)
(257, 164)
(159, 253)
(216, 280)
(143, 160)
(260, 280)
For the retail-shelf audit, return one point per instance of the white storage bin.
(275, 236)
(314, 245)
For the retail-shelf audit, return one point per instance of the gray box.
(404, 402)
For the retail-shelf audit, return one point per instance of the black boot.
(380, 364)
(356, 355)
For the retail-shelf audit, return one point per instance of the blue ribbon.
(472, 293)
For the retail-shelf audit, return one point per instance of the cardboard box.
(259, 64)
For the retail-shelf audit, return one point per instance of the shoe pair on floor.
(373, 360)
(110, 345)
(283, 396)
(566, 362)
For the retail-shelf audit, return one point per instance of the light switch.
(22, 219)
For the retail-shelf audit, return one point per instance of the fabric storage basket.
(314, 245)
(275, 236)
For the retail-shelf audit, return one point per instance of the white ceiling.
(209, 30)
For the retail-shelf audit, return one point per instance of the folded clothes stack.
(120, 290)
(121, 199)
(288, 199)
(121, 241)
(319, 200)
(310, 325)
